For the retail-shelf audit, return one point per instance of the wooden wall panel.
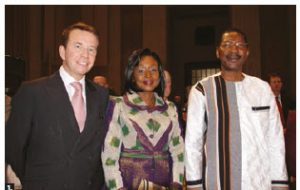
(114, 73)
(32, 33)
(278, 44)
(16, 32)
(155, 27)
(131, 32)
(35, 47)
(246, 18)
(101, 23)
(51, 58)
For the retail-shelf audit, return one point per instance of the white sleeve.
(176, 148)
(276, 148)
(194, 139)
(111, 151)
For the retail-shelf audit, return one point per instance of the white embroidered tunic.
(234, 137)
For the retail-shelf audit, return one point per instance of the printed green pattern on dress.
(160, 102)
(110, 162)
(180, 157)
(115, 142)
(112, 184)
(137, 100)
(175, 141)
(153, 125)
(138, 145)
(134, 111)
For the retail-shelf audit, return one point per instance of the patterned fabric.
(240, 145)
(142, 144)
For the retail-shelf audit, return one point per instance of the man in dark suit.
(51, 143)
(276, 83)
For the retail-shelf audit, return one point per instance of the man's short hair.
(232, 30)
(271, 75)
(80, 26)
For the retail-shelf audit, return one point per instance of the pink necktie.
(78, 105)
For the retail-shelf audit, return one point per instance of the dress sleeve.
(176, 148)
(194, 139)
(276, 147)
(112, 147)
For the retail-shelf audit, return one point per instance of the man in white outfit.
(234, 137)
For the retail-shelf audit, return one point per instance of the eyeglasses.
(230, 44)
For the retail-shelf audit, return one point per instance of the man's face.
(233, 51)
(80, 53)
(276, 85)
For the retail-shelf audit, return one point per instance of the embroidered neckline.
(135, 101)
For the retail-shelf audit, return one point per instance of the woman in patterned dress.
(143, 147)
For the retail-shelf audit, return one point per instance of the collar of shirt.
(67, 79)
(279, 98)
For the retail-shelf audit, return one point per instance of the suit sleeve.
(18, 129)
(194, 139)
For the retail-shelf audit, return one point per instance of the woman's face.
(146, 74)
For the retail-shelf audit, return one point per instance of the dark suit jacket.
(43, 142)
(290, 143)
(286, 104)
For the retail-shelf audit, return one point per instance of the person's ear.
(62, 52)
(248, 52)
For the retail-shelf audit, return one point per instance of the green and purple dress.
(142, 144)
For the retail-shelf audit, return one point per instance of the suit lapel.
(60, 97)
(67, 124)
(95, 111)
(91, 107)
(64, 114)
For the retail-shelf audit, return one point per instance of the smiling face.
(146, 74)
(233, 51)
(79, 54)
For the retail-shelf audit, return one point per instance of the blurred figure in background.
(185, 104)
(167, 92)
(283, 103)
(168, 84)
(102, 81)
